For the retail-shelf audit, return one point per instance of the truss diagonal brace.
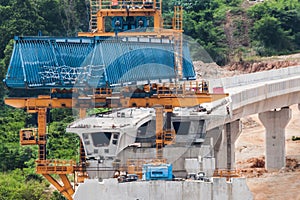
(67, 189)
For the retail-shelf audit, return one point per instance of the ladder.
(178, 17)
(42, 124)
(177, 27)
(94, 8)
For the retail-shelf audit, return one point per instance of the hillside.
(212, 70)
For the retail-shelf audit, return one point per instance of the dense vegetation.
(17, 164)
(229, 30)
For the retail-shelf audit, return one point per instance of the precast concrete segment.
(275, 123)
(217, 189)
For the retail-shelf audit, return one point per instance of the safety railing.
(28, 136)
(185, 88)
(55, 166)
(137, 4)
(226, 173)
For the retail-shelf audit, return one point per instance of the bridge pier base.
(275, 123)
(225, 145)
(216, 135)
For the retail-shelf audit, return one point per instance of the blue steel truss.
(45, 62)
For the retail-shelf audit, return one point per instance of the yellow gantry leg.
(66, 190)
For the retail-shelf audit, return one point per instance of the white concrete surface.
(226, 153)
(275, 123)
(253, 94)
(110, 189)
(240, 189)
(259, 92)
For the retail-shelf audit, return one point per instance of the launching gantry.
(165, 95)
(86, 71)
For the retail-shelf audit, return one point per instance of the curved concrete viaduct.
(269, 94)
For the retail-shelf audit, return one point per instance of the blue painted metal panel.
(157, 172)
(45, 62)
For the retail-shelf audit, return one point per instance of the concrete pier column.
(232, 131)
(225, 145)
(217, 135)
(275, 123)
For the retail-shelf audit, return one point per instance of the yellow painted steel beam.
(159, 131)
(170, 100)
(156, 33)
(123, 12)
(163, 99)
(34, 103)
(100, 23)
(158, 22)
(67, 185)
(82, 113)
(58, 186)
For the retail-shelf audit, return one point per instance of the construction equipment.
(157, 172)
(87, 71)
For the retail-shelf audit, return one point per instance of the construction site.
(165, 133)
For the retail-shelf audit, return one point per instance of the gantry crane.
(128, 18)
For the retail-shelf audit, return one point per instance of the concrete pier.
(275, 123)
(217, 135)
(232, 131)
(225, 144)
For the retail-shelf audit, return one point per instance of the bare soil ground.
(250, 148)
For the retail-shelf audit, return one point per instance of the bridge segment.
(269, 94)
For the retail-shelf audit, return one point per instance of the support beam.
(67, 185)
(59, 187)
(159, 131)
(82, 113)
(275, 123)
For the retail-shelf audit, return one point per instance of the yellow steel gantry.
(167, 96)
(101, 9)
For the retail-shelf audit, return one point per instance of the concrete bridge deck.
(269, 94)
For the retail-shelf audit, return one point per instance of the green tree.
(205, 28)
(271, 35)
(276, 26)
(17, 186)
(62, 145)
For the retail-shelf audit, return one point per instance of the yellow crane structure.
(167, 95)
